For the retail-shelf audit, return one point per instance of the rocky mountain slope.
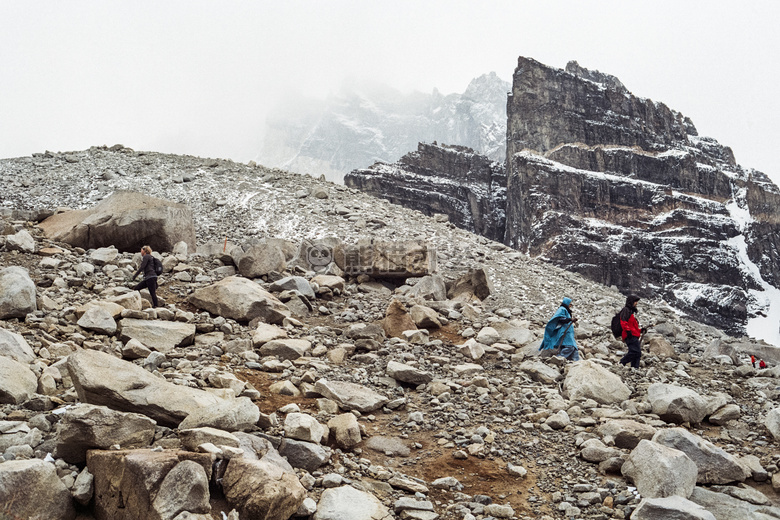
(436, 402)
(620, 189)
(356, 128)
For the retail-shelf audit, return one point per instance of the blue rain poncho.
(559, 326)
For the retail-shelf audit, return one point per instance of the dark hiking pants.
(151, 284)
(634, 352)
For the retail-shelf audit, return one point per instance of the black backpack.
(617, 328)
(158, 268)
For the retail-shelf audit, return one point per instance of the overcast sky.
(197, 77)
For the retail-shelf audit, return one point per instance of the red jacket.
(630, 326)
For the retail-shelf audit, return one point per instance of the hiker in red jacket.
(631, 331)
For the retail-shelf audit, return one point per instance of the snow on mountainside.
(356, 128)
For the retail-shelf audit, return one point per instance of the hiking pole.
(557, 348)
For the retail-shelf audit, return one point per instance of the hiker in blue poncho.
(559, 332)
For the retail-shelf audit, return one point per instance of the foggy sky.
(198, 77)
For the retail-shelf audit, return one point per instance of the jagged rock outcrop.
(453, 180)
(622, 189)
(615, 187)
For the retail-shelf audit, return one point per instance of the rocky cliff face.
(622, 189)
(354, 129)
(472, 192)
(616, 187)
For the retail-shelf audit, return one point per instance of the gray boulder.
(85, 426)
(153, 485)
(431, 287)
(658, 471)
(350, 396)
(475, 285)
(286, 348)
(668, 508)
(240, 299)
(261, 259)
(97, 319)
(590, 380)
(724, 506)
(35, 491)
(539, 372)
(259, 489)
(407, 373)
(17, 293)
(191, 438)
(232, 415)
(626, 433)
(345, 430)
(21, 241)
(294, 283)
(17, 382)
(303, 454)
(715, 465)
(127, 220)
(14, 346)
(772, 422)
(162, 336)
(677, 404)
(303, 427)
(102, 379)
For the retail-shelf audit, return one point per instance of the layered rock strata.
(452, 180)
(623, 190)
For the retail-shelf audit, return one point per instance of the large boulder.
(261, 259)
(85, 426)
(153, 485)
(431, 287)
(472, 286)
(344, 502)
(32, 489)
(386, 259)
(590, 380)
(17, 382)
(659, 471)
(262, 490)
(159, 335)
(240, 299)
(17, 293)
(14, 346)
(127, 220)
(98, 319)
(345, 430)
(676, 403)
(626, 433)
(715, 465)
(102, 379)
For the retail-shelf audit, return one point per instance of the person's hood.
(632, 299)
(566, 302)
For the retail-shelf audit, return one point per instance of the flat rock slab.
(346, 502)
(388, 445)
(162, 336)
(350, 396)
(102, 379)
